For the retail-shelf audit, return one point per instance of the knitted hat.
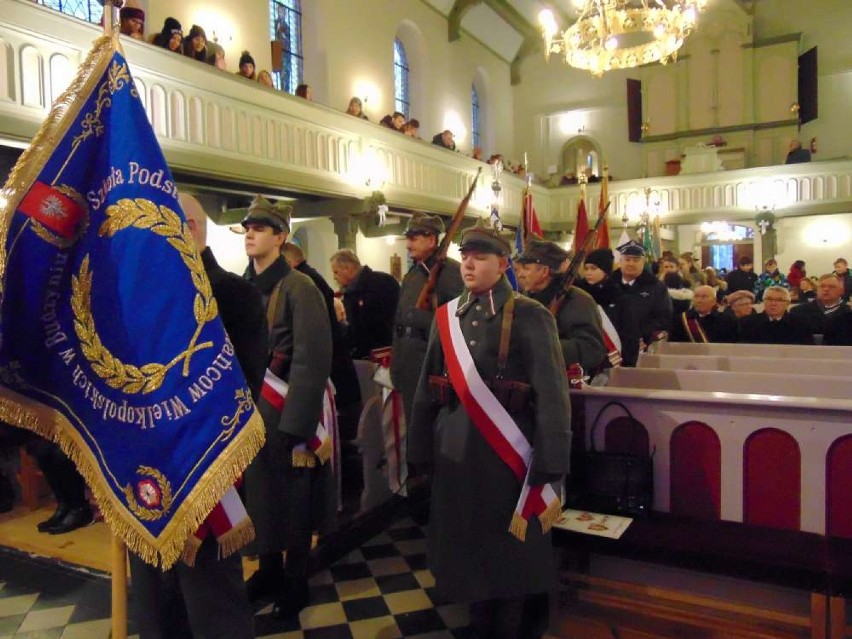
(128, 13)
(246, 58)
(602, 258)
(171, 27)
(196, 31)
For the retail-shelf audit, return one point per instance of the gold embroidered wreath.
(140, 214)
(144, 513)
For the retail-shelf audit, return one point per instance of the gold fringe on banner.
(238, 537)
(550, 515)
(324, 451)
(518, 527)
(304, 459)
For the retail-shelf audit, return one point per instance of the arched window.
(401, 94)
(475, 131)
(88, 10)
(288, 62)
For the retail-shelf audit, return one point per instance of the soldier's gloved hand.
(291, 441)
(539, 479)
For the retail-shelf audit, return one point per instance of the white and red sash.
(496, 425)
(228, 522)
(393, 422)
(611, 339)
(324, 444)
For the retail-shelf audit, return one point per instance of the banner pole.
(119, 589)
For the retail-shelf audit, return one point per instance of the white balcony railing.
(215, 125)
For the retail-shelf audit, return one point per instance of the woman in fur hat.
(195, 44)
(171, 37)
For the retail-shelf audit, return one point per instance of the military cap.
(262, 211)
(631, 249)
(486, 239)
(540, 251)
(423, 224)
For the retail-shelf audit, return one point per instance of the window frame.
(295, 52)
(401, 79)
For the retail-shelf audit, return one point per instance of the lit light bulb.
(611, 43)
(659, 31)
(547, 22)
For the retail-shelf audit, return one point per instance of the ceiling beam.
(532, 36)
(456, 15)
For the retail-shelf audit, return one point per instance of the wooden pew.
(757, 350)
(745, 364)
(752, 474)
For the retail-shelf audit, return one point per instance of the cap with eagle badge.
(631, 249)
(424, 224)
(540, 251)
(485, 238)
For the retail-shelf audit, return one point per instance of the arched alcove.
(772, 480)
(580, 152)
(482, 84)
(32, 74)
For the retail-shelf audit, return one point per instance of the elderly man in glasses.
(775, 325)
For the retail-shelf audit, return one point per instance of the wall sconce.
(646, 126)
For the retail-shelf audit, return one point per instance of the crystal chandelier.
(621, 34)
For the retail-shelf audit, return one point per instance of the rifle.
(424, 300)
(575, 264)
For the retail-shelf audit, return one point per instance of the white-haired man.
(775, 325)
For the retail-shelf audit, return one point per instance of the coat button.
(478, 307)
(475, 323)
(472, 342)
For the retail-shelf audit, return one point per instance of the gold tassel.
(304, 459)
(323, 453)
(550, 515)
(190, 550)
(239, 536)
(518, 527)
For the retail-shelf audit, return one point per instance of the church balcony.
(217, 128)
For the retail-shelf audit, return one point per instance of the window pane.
(474, 117)
(89, 10)
(400, 79)
(285, 26)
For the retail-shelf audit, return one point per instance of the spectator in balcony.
(477, 153)
(412, 128)
(356, 108)
(305, 91)
(740, 304)
(132, 22)
(264, 77)
(247, 66)
(216, 56)
(195, 44)
(171, 36)
(568, 179)
(444, 140)
(841, 270)
(771, 276)
(796, 154)
(742, 278)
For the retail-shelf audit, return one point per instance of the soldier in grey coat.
(411, 330)
(577, 319)
(471, 551)
(287, 501)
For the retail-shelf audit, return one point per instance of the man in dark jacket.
(841, 270)
(370, 298)
(702, 323)
(645, 306)
(472, 552)
(577, 318)
(208, 599)
(286, 485)
(828, 303)
(411, 330)
(742, 278)
(775, 325)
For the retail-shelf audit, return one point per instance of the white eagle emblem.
(54, 208)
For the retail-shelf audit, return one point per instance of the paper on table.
(582, 521)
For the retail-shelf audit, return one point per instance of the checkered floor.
(383, 590)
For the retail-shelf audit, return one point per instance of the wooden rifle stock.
(576, 262)
(424, 300)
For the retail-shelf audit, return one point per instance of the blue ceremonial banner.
(110, 338)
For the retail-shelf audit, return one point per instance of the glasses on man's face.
(780, 300)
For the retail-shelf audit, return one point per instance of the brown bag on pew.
(619, 482)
